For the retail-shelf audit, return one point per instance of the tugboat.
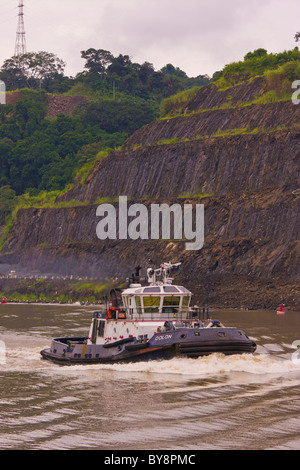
(153, 321)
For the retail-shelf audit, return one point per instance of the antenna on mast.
(20, 47)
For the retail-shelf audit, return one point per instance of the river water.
(216, 402)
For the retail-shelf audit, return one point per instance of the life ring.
(112, 313)
(109, 313)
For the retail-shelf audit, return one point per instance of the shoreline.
(221, 293)
(97, 305)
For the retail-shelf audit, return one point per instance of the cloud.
(199, 36)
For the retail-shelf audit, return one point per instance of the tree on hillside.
(124, 114)
(120, 65)
(97, 60)
(169, 69)
(144, 71)
(119, 75)
(32, 68)
(256, 54)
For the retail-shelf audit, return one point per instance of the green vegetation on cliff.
(38, 153)
(49, 290)
(277, 70)
(257, 63)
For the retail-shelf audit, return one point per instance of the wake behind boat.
(153, 321)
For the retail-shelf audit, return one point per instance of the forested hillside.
(44, 149)
(38, 153)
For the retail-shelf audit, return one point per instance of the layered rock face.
(241, 162)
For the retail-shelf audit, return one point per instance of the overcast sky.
(198, 36)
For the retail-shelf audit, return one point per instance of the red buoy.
(280, 311)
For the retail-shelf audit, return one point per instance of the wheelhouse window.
(151, 304)
(138, 304)
(173, 301)
(171, 304)
(185, 301)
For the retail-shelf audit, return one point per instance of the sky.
(198, 36)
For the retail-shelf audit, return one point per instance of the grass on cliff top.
(278, 70)
(256, 63)
(55, 290)
(86, 169)
(219, 134)
(278, 84)
(178, 102)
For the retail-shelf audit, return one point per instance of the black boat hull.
(188, 342)
(141, 355)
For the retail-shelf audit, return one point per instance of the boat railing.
(154, 314)
(169, 313)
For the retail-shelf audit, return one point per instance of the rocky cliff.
(242, 161)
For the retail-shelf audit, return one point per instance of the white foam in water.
(215, 364)
(29, 359)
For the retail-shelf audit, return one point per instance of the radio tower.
(20, 47)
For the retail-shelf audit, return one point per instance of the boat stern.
(64, 349)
